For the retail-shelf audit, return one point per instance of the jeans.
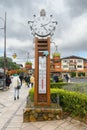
(28, 84)
(16, 93)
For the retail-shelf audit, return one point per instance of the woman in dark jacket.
(27, 80)
(8, 81)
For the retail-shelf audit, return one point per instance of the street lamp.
(14, 55)
(4, 20)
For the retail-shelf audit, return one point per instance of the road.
(78, 80)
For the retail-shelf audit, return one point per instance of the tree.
(9, 63)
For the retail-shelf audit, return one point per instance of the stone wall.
(32, 114)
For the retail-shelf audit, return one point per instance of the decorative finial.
(42, 12)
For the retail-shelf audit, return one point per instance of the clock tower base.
(42, 72)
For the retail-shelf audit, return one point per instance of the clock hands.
(45, 24)
(43, 27)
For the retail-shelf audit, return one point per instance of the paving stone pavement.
(11, 115)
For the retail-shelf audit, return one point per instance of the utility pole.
(4, 28)
(5, 60)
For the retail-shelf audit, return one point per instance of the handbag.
(19, 86)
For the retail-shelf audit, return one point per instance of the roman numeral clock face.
(42, 26)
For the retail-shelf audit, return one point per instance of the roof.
(73, 57)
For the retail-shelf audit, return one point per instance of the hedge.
(73, 102)
(58, 84)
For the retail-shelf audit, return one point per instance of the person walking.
(67, 76)
(32, 80)
(16, 82)
(8, 81)
(55, 78)
(27, 80)
(21, 77)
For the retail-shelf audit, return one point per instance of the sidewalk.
(11, 115)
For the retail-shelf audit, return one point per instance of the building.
(69, 64)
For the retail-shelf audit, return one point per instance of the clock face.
(42, 26)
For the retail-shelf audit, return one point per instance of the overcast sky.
(70, 34)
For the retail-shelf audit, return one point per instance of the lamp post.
(4, 20)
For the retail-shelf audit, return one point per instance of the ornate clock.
(43, 26)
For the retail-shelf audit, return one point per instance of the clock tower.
(42, 28)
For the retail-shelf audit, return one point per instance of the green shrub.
(81, 74)
(73, 102)
(31, 94)
(57, 85)
(51, 80)
(73, 74)
(60, 80)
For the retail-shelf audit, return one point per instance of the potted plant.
(28, 65)
(56, 55)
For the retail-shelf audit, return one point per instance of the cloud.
(76, 34)
(73, 39)
(77, 7)
(70, 33)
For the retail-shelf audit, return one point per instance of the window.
(57, 66)
(65, 66)
(79, 60)
(72, 67)
(71, 61)
(65, 61)
(79, 66)
(85, 66)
